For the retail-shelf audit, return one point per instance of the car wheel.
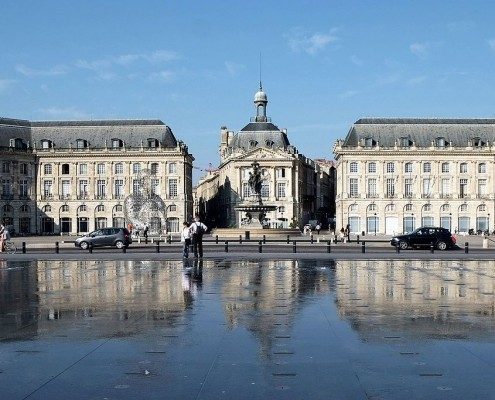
(441, 245)
(83, 245)
(403, 245)
(119, 244)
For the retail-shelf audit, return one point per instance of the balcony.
(462, 196)
(7, 196)
(82, 196)
(483, 196)
(426, 196)
(100, 197)
(118, 196)
(352, 195)
(445, 196)
(371, 195)
(47, 197)
(390, 196)
(64, 196)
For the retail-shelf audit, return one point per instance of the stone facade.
(394, 175)
(291, 181)
(72, 177)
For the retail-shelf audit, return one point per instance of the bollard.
(260, 247)
(23, 247)
(329, 247)
(466, 247)
(432, 248)
(288, 239)
(57, 247)
(146, 240)
(357, 239)
(90, 247)
(397, 248)
(240, 239)
(264, 239)
(363, 247)
(157, 246)
(226, 246)
(124, 249)
(216, 239)
(311, 238)
(169, 239)
(335, 239)
(294, 250)
(247, 235)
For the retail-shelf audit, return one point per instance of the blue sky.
(195, 64)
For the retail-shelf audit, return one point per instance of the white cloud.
(162, 76)
(6, 84)
(356, 60)
(233, 68)
(302, 41)
(491, 43)
(62, 113)
(32, 72)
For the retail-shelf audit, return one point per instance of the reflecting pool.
(223, 329)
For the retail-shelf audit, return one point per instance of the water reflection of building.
(417, 297)
(266, 297)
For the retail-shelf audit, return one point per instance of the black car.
(441, 238)
(118, 237)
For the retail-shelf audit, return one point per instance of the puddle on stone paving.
(247, 329)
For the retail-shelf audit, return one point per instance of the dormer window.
(253, 144)
(477, 142)
(81, 144)
(269, 143)
(117, 143)
(153, 143)
(46, 144)
(440, 142)
(405, 142)
(369, 142)
(17, 144)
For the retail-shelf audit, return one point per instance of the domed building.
(290, 181)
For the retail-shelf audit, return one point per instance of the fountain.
(253, 208)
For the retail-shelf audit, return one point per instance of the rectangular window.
(464, 224)
(353, 167)
(83, 189)
(390, 168)
(154, 168)
(6, 167)
(246, 190)
(23, 188)
(172, 168)
(427, 167)
(172, 188)
(408, 187)
(136, 187)
(280, 190)
(119, 188)
(463, 168)
(136, 168)
(372, 168)
(65, 189)
(427, 221)
(390, 187)
(24, 169)
(265, 189)
(280, 172)
(372, 188)
(83, 169)
(101, 188)
(481, 187)
(155, 186)
(426, 187)
(47, 188)
(353, 187)
(119, 168)
(6, 188)
(445, 187)
(463, 187)
(445, 168)
(47, 169)
(100, 169)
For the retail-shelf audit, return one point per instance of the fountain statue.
(253, 211)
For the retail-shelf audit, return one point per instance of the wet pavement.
(239, 329)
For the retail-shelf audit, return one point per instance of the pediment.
(264, 154)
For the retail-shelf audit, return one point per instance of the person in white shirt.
(197, 230)
(185, 238)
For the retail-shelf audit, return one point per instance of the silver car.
(118, 237)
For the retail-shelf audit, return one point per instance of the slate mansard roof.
(388, 132)
(98, 134)
(264, 134)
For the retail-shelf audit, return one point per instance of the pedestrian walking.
(318, 228)
(185, 238)
(198, 229)
(145, 232)
(2, 237)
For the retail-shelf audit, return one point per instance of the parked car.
(118, 237)
(441, 238)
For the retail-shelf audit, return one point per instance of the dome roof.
(260, 96)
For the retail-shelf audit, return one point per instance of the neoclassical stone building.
(72, 177)
(291, 181)
(394, 175)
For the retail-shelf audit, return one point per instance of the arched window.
(427, 208)
(64, 208)
(353, 207)
(269, 143)
(408, 167)
(172, 207)
(24, 208)
(463, 207)
(65, 169)
(390, 207)
(47, 208)
(445, 208)
(445, 167)
(408, 207)
(481, 168)
(100, 208)
(463, 168)
(253, 144)
(83, 207)
(372, 207)
(118, 208)
(482, 207)
(8, 208)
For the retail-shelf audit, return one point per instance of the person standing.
(145, 232)
(318, 228)
(185, 238)
(198, 229)
(2, 237)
